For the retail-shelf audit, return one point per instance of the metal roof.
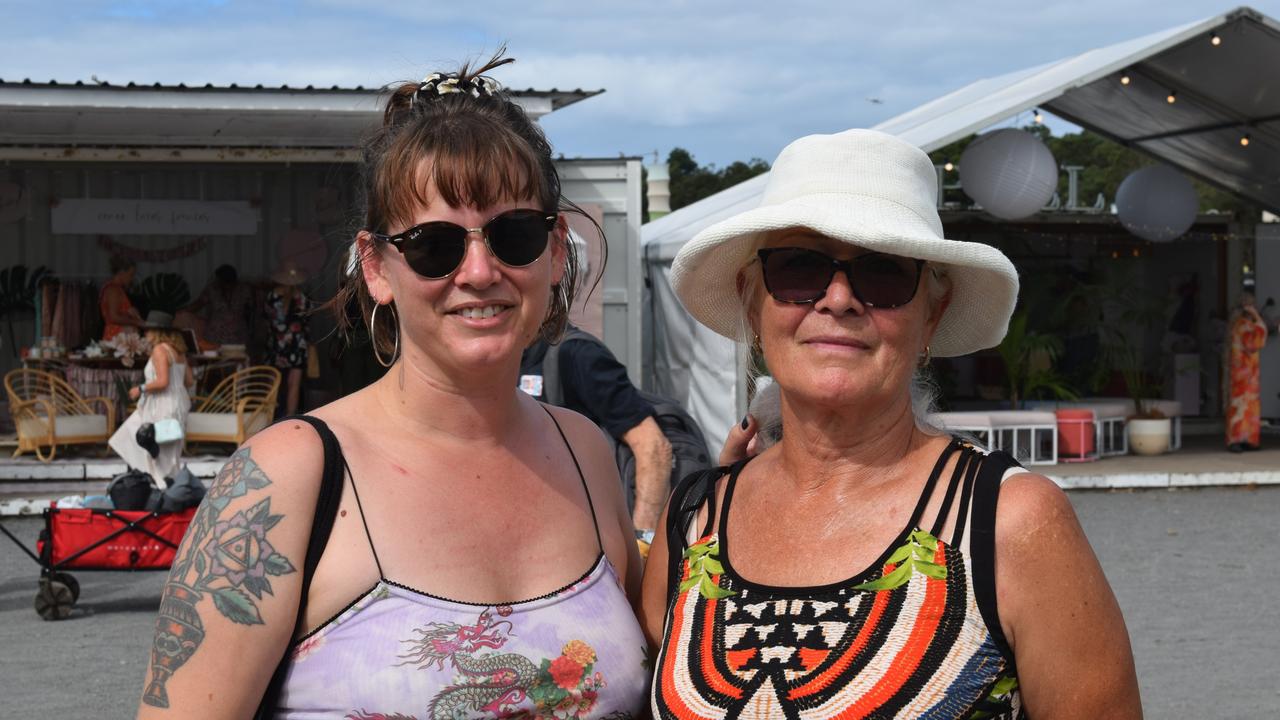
(1222, 92)
(54, 114)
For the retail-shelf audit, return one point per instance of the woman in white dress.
(164, 394)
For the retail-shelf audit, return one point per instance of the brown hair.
(483, 149)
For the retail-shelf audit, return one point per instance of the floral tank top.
(397, 653)
(916, 635)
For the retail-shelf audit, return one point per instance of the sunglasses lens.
(885, 280)
(519, 237)
(434, 250)
(797, 275)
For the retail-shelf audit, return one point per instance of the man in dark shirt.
(596, 385)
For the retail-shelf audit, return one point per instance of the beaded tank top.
(398, 653)
(916, 635)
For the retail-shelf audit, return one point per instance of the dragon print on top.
(397, 653)
(495, 683)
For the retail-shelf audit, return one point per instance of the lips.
(837, 340)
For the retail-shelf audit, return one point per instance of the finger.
(735, 445)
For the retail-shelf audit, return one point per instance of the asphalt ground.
(1192, 569)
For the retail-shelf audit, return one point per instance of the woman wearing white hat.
(867, 565)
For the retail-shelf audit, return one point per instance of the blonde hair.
(172, 337)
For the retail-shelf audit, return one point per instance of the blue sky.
(726, 80)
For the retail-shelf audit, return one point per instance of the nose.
(479, 268)
(839, 298)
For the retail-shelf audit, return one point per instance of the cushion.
(961, 420)
(68, 426)
(201, 423)
(1021, 418)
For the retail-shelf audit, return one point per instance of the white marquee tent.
(1223, 90)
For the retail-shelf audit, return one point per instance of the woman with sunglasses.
(868, 565)
(438, 544)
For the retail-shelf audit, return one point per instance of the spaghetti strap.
(591, 505)
(932, 482)
(360, 509)
(957, 477)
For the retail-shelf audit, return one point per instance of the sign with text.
(154, 217)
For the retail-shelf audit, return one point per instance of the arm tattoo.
(227, 558)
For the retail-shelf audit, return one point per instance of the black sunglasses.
(435, 249)
(801, 275)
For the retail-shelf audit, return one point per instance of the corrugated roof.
(57, 114)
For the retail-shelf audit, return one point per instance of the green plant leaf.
(236, 606)
(897, 578)
(713, 591)
(932, 570)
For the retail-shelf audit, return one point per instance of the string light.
(1173, 97)
(1214, 40)
(1244, 140)
(1039, 118)
(948, 166)
(1124, 79)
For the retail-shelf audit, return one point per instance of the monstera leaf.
(165, 292)
(18, 288)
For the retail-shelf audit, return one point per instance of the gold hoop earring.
(373, 336)
(924, 359)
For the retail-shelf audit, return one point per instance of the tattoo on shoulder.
(225, 557)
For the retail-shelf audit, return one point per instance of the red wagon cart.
(95, 539)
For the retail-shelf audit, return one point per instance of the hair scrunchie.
(437, 84)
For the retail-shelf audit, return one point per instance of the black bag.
(184, 492)
(688, 445)
(131, 490)
(146, 439)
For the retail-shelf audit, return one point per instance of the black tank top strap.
(932, 483)
(360, 509)
(590, 505)
(982, 542)
(963, 461)
(966, 496)
(327, 501)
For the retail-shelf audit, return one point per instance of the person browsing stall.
(868, 565)
(437, 544)
(593, 383)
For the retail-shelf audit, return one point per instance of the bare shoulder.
(589, 444)
(1029, 501)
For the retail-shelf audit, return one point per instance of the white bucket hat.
(868, 189)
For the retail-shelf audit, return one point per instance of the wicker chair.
(241, 405)
(48, 412)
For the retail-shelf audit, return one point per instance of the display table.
(108, 377)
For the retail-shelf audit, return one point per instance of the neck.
(472, 406)
(851, 444)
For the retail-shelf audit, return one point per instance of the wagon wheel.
(70, 582)
(53, 600)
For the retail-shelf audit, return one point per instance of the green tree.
(691, 182)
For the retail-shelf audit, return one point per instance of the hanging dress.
(1244, 410)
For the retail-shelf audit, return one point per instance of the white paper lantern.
(1157, 203)
(1009, 172)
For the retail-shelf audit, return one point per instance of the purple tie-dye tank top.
(402, 654)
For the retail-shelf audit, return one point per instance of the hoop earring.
(373, 336)
(924, 359)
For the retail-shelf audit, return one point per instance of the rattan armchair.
(241, 405)
(48, 412)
